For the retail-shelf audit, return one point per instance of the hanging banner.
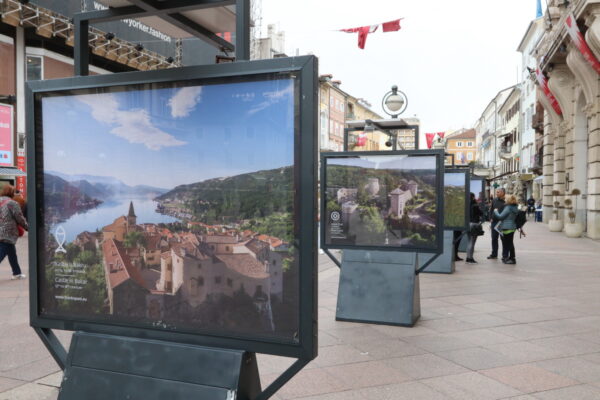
(21, 183)
(580, 43)
(543, 82)
(6, 135)
(429, 138)
(441, 134)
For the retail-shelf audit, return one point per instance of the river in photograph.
(107, 212)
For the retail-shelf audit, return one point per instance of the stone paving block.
(358, 334)
(402, 331)
(568, 346)
(480, 337)
(33, 371)
(341, 354)
(575, 368)
(477, 358)
(524, 352)
(524, 331)
(447, 325)
(488, 307)
(439, 342)
(579, 392)
(425, 366)
(347, 395)
(30, 391)
(7, 383)
(486, 320)
(391, 348)
(528, 378)
(402, 391)
(470, 386)
(372, 373)
(308, 383)
(51, 380)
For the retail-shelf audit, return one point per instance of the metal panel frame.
(464, 171)
(305, 169)
(439, 154)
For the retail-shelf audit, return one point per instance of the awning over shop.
(539, 179)
(11, 171)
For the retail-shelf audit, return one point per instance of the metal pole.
(81, 48)
(242, 30)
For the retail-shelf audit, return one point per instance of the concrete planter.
(555, 225)
(574, 230)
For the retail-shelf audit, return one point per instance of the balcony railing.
(505, 151)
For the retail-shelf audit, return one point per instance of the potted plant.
(573, 228)
(555, 224)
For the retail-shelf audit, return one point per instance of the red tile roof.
(122, 269)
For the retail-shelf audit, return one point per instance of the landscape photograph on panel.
(171, 206)
(381, 200)
(455, 198)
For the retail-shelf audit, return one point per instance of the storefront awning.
(11, 171)
(539, 178)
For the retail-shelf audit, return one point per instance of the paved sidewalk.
(489, 331)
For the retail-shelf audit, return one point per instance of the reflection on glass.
(34, 68)
(381, 200)
(174, 206)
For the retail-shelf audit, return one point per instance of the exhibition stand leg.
(444, 264)
(380, 287)
(116, 367)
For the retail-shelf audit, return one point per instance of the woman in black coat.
(475, 215)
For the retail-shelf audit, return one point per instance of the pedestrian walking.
(508, 227)
(475, 220)
(497, 204)
(11, 218)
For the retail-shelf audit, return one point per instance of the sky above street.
(172, 136)
(450, 57)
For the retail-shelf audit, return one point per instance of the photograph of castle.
(381, 200)
(455, 198)
(162, 210)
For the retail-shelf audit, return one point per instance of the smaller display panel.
(390, 200)
(477, 187)
(456, 193)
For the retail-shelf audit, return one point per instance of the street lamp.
(394, 102)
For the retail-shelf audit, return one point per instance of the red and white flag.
(580, 43)
(543, 82)
(363, 31)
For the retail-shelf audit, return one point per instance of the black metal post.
(81, 49)
(333, 258)
(242, 30)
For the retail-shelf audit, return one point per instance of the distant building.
(399, 198)
(462, 145)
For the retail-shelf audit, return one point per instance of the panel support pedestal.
(117, 367)
(379, 287)
(444, 264)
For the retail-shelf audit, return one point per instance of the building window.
(470, 156)
(34, 68)
(229, 282)
(459, 144)
(469, 144)
(459, 156)
(218, 280)
(200, 281)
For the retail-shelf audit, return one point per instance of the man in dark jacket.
(497, 203)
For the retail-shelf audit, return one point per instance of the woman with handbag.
(475, 228)
(12, 225)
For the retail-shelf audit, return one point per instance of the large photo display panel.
(478, 189)
(172, 206)
(382, 200)
(456, 192)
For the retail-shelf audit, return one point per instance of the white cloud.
(135, 126)
(272, 97)
(184, 101)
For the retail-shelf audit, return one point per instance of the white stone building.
(528, 167)
(572, 139)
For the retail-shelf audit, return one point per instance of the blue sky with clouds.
(454, 179)
(168, 137)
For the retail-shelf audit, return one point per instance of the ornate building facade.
(571, 141)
